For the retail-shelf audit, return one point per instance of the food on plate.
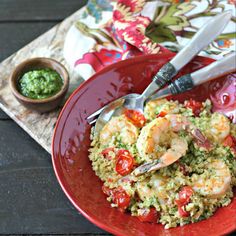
(174, 165)
(40, 83)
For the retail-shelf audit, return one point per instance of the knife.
(208, 73)
(200, 40)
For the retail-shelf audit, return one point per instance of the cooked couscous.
(174, 165)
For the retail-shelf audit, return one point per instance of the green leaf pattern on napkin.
(168, 20)
(174, 20)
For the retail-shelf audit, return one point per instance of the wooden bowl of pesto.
(40, 84)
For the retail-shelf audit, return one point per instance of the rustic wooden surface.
(38, 126)
(32, 201)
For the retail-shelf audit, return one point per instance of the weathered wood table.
(31, 200)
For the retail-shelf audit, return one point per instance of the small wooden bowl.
(39, 105)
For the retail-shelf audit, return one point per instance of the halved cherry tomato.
(184, 195)
(106, 190)
(182, 211)
(137, 118)
(230, 141)
(151, 216)
(195, 106)
(106, 151)
(122, 152)
(184, 198)
(121, 198)
(124, 163)
(162, 114)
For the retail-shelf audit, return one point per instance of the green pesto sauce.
(40, 84)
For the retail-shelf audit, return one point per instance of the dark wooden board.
(38, 10)
(17, 35)
(31, 198)
(3, 116)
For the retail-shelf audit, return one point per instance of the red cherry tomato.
(195, 106)
(106, 190)
(182, 211)
(151, 216)
(122, 152)
(162, 114)
(106, 151)
(124, 163)
(184, 195)
(137, 118)
(121, 198)
(230, 141)
(184, 198)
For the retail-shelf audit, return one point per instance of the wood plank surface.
(37, 10)
(17, 35)
(4, 116)
(31, 198)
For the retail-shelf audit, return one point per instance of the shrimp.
(122, 126)
(219, 128)
(216, 184)
(159, 141)
(160, 106)
(153, 187)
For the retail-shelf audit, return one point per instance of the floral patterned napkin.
(110, 31)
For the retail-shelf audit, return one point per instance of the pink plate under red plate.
(71, 143)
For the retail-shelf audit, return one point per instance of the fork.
(136, 101)
(189, 81)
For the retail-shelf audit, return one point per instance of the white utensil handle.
(208, 73)
(215, 69)
(201, 39)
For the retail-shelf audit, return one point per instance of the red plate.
(71, 143)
